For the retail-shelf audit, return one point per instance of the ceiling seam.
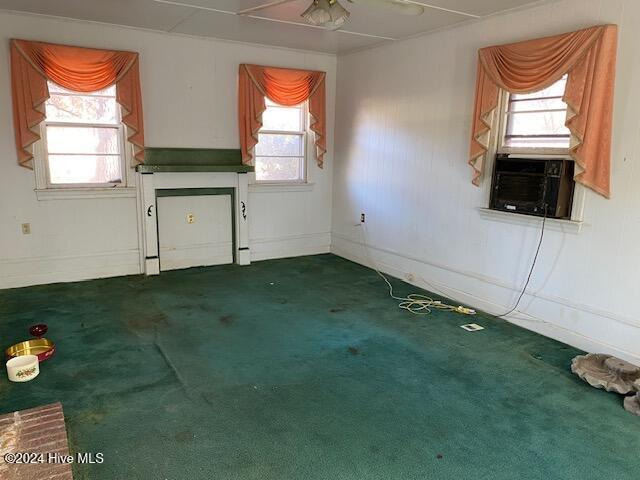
(181, 21)
(443, 9)
(273, 3)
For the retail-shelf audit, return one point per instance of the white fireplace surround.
(151, 182)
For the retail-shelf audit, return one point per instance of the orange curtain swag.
(74, 68)
(285, 87)
(588, 57)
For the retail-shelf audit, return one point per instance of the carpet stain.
(353, 350)
(93, 417)
(227, 320)
(147, 321)
(185, 436)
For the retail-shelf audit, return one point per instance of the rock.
(607, 372)
(632, 404)
(621, 367)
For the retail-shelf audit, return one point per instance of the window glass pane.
(543, 123)
(269, 103)
(282, 118)
(82, 109)
(55, 88)
(82, 140)
(555, 90)
(280, 156)
(279, 145)
(537, 119)
(537, 142)
(85, 169)
(278, 169)
(541, 104)
(531, 124)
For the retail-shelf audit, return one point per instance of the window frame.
(503, 115)
(304, 133)
(41, 156)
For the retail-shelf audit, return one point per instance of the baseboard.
(23, 272)
(289, 246)
(580, 326)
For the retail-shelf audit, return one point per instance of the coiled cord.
(415, 303)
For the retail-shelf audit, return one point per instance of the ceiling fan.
(331, 15)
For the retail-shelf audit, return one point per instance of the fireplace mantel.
(193, 168)
(186, 169)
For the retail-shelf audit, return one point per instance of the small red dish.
(39, 330)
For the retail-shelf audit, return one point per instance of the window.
(83, 139)
(535, 121)
(532, 171)
(281, 148)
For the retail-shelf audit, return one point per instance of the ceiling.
(279, 24)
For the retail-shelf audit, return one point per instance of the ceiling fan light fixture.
(326, 13)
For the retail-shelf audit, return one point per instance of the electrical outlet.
(191, 218)
(362, 218)
(26, 229)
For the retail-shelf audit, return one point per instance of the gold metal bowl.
(40, 347)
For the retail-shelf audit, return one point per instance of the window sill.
(46, 194)
(280, 187)
(565, 226)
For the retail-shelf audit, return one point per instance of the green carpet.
(305, 369)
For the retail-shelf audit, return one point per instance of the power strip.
(465, 310)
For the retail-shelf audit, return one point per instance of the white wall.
(189, 94)
(402, 137)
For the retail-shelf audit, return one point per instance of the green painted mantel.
(193, 160)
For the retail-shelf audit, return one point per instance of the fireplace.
(188, 171)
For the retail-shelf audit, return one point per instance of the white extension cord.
(414, 303)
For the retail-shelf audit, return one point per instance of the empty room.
(319, 239)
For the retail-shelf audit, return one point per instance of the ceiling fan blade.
(396, 6)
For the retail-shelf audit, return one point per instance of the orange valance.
(74, 68)
(285, 87)
(588, 57)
